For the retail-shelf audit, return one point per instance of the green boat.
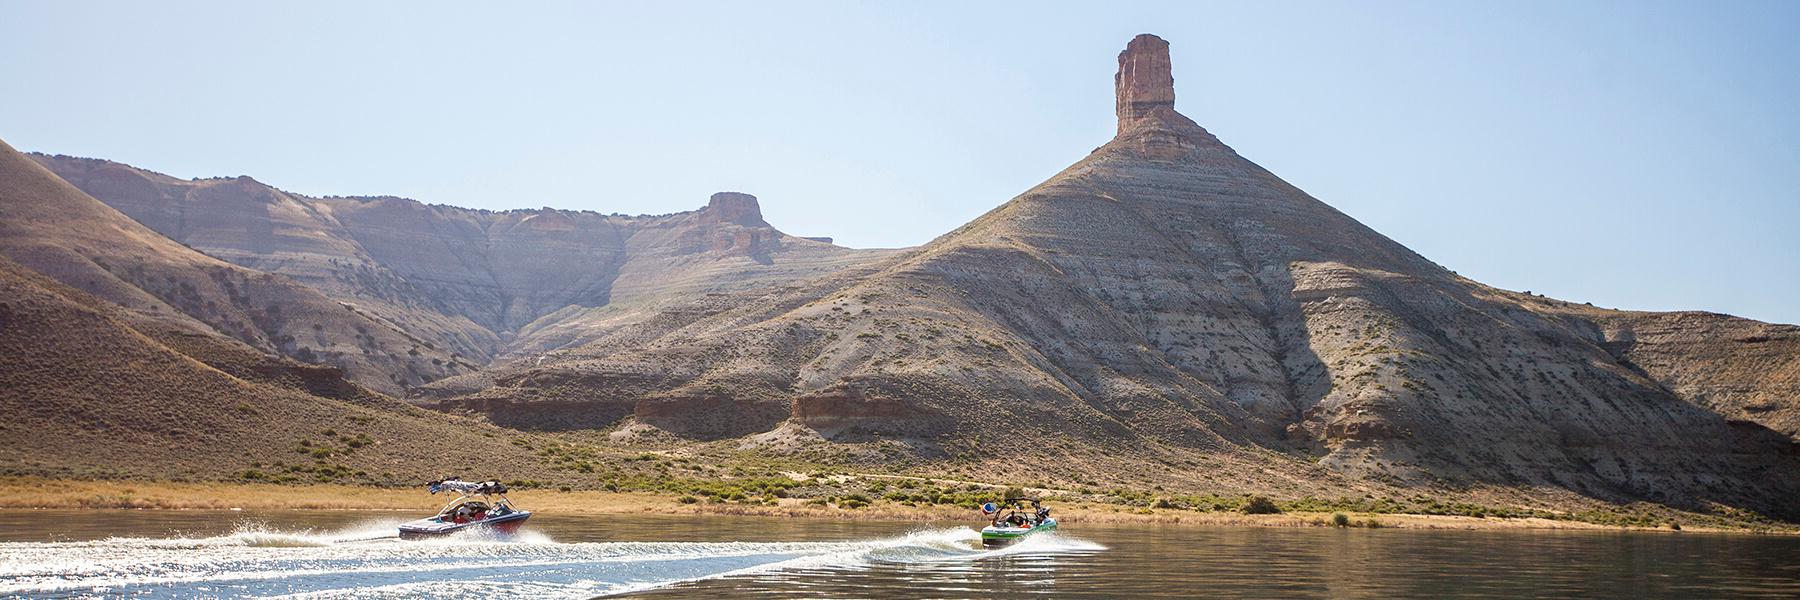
(1010, 523)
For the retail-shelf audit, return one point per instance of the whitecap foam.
(366, 560)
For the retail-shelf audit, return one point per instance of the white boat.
(478, 505)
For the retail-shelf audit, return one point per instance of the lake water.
(185, 554)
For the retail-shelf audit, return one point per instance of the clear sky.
(1637, 155)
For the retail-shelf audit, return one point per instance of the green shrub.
(1260, 505)
(1340, 520)
(687, 500)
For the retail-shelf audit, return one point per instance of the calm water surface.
(185, 554)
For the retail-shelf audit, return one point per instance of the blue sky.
(1639, 155)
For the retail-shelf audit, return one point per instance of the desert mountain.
(53, 228)
(1166, 311)
(126, 354)
(95, 390)
(482, 284)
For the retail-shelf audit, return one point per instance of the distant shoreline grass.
(35, 493)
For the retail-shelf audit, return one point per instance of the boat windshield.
(1012, 513)
(465, 509)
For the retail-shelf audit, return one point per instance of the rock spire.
(1144, 82)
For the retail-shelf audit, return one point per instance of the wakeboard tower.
(478, 506)
(1009, 523)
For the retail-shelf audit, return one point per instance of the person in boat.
(1012, 516)
(1007, 518)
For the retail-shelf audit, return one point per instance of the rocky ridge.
(481, 284)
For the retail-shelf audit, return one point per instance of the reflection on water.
(1143, 562)
(353, 554)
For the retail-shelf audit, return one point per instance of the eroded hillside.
(53, 228)
(483, 284)
(94, 390)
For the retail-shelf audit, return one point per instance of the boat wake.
(369, 561)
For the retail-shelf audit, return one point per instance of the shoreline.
(45, 494)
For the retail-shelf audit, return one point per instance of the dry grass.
(63, 493)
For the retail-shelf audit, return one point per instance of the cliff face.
(483, 284)
(1168, 300)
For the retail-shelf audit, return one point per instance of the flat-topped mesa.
(734, 207)
(1145, 81)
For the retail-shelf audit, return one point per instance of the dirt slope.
(94, 390)
(49, 226)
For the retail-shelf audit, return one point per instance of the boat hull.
(1001, 536)
(431, 528)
